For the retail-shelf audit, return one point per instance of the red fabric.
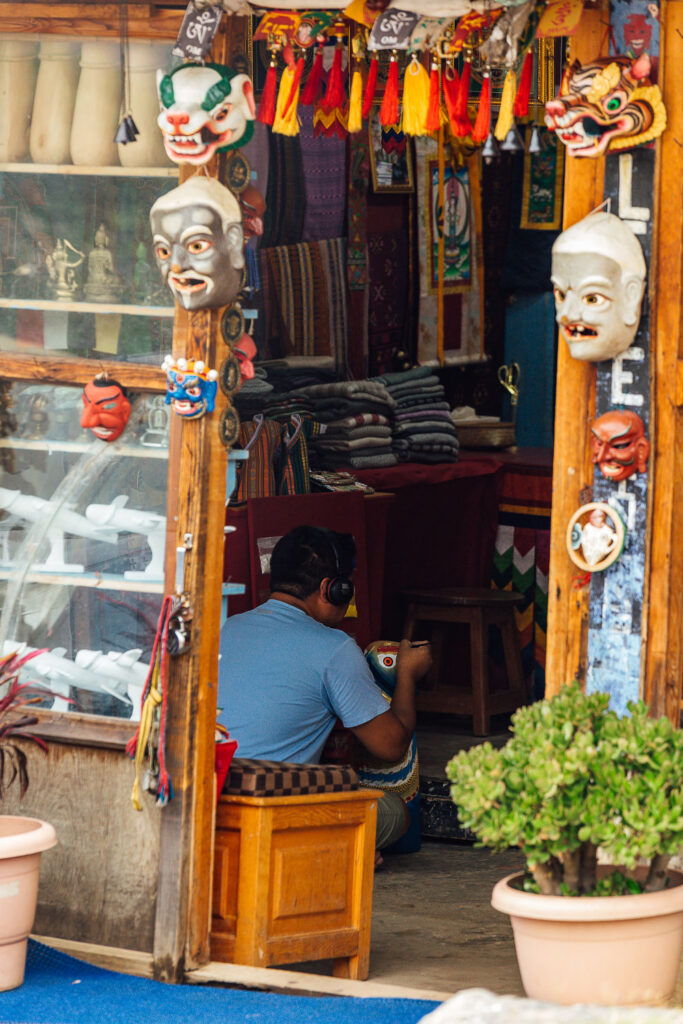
(441, 528)
(224, 754)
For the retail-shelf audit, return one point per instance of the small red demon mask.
(620, 447)
(105, 408)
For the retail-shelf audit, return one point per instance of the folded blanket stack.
(275, 378)
(357, 425)
(423, 430)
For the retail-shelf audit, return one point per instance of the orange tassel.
(483, 121)
(296, 82)
(388, 112)
(309, 93)
(433, 120)
(355, 121)
(266, 110)
(335, 94)
(462, 117)
(521, 108)
(450, 82)
(370, 87)
(288, 125)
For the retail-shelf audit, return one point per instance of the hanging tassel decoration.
(433, 120)
(507, 102)
(415, 98)
(388, 111)
(335, 94)
(356, 102)
(462, 117)
(149, 740)
(294, 88)
(266, 110)
(483, 119)
(450, 82)
(309, 93)
(370, 87)
(288, 125)
(524, 88)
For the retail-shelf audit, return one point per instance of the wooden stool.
(478, 609)
(293, 879)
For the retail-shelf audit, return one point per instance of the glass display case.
(82, 521)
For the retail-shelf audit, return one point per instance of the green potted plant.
(595, 803)
(22, 840)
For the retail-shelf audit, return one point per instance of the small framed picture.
(391, 159)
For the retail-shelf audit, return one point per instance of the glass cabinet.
(82, 521)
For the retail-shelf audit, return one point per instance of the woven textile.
(359, 181)
(324, 171)
(249, 777)
(388, 298)
(283, 220)
(296, 435)
(257, 477)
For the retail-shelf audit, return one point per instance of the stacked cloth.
(357, 423)
(423, 430)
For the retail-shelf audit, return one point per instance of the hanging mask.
(620, 447)
(199, 243)
(205, 109)
(598, 276)
(190, 387)
(605, 105)
(106, 409)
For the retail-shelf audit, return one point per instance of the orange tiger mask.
(608, 104)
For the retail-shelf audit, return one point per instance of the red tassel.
(335, 94)
(388, 112)
(370, 87)
(462, 117)
(296, 82)
(433, 119)
(483, 121)
(521, 108)
(266, 110)
(450, 82)
(309, 93)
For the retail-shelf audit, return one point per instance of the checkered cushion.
(249, 777)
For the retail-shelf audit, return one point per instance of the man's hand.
(414, 659)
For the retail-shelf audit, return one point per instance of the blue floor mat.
(58, 989)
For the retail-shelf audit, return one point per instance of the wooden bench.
(293, 875)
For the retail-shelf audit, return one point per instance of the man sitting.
(287, 673)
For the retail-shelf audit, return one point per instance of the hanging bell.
(513, 141)
(127, 130)
(535, 141)
(490, 150)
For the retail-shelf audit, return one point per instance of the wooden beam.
(574, 408)
(145, 21)
(663, 606)
(50, 370)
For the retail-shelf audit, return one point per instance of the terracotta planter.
(609, 950)
(22, 840)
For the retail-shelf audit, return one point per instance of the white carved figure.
(104, 283)
(598, 537)
(60, 673)
(121, 673)
(62, 520)
(598, 276)
(131, 520)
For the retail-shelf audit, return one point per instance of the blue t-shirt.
(283, 680)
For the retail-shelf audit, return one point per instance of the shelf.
(99, 581)
(81, 446)
(233, 589)
(103, 172)
(88, 307)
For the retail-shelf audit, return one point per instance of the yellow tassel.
(415, 99)
(289, 123)
(507, 103)
(356, 103)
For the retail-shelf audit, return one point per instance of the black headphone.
(340, 588)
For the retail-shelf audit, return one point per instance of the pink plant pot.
(22, 840)
(608, 950)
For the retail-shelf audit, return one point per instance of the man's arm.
(388, 736)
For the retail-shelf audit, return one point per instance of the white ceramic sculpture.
(53, 102)
(148, 150)
(131, 520)
(18, 70)
(97, 107)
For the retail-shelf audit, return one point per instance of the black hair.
(307, 555)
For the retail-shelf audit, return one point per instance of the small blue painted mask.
(190, 387)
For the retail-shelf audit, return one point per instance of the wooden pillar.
(663, 615)
(568, 607)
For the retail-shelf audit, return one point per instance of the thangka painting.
(455, 220)
(542, 187)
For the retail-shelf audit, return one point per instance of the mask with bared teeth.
(598, 276)
(199, 242)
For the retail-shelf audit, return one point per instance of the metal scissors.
(509, 378)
